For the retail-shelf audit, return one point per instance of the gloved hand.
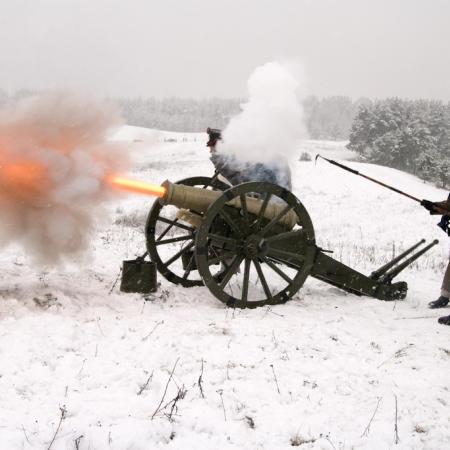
(436, 208)
(443, 206)
(430, 206)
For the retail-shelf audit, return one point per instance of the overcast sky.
(203, 48)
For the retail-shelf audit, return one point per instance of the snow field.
(309, 373)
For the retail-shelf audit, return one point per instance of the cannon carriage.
(252, 244)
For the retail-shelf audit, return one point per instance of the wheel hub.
(255, 246)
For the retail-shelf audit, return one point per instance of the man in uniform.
(444, 209)
(237, 172)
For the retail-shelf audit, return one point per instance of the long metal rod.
(377, 273)
(356, 172)
(387, 277)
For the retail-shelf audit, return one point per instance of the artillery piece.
(252, 245)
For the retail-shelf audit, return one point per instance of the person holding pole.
(444, 209)
(435, 208)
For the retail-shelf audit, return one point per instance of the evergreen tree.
(409, 135)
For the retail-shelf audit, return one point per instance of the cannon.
(252, 245)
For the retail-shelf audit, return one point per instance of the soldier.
(237, 172)
(442, 208)
(443, 300)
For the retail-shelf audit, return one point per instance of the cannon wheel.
(276, 274)
(175, 231)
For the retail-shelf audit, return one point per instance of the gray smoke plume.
(271, 122)
(54, 157)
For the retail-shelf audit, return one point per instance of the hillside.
(327, 370)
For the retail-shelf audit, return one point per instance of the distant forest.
(326, 118)
(410, 135)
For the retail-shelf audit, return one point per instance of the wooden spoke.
(178, 254)
(176, 239)
(166, 230)
(262, 279)
(263, 209)
(229, 242)
(220, 258)
(230, 222)
(244, 208)
(277, 270)
(216, 259)
(276, 219)
(188, 268)
(231, 270)
(175, 223)
(246, 280)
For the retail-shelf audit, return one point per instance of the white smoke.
(272, 121)
(54, 156)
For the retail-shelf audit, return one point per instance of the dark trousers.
(445, 288)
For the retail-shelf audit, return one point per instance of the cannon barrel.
(199, 200)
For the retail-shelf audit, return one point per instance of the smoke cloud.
(271, 122)
(54, 156)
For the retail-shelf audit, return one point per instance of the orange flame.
(23, 179)
(26, 180)
(140, 187)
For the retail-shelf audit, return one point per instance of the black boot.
(444, 320)
(441, 302)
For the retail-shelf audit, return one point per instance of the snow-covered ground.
(327, 370)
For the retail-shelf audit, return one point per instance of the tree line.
(410, 135)
(326, 118)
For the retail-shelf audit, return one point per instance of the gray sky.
(203, 48)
